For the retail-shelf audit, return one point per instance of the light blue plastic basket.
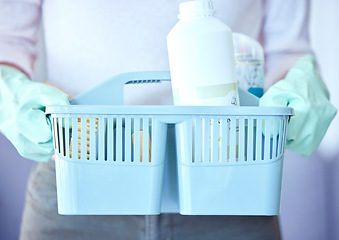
(228, 160)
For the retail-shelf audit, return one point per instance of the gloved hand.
(304, 91)
(22, 116)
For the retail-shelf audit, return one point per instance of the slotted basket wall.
(101, 166)
(231, 164)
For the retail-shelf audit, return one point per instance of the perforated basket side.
(214, 140)
(109, 164)
(230, 165)
(124, 139)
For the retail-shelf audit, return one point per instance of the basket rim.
(168, 110)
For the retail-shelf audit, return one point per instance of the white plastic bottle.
(249, 64)
(201, 58)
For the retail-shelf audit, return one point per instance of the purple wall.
(14, 172)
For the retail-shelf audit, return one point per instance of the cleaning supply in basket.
(78, 137)
(249, 62)
(201, 58)
(141, 134)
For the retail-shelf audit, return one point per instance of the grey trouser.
(41, 220)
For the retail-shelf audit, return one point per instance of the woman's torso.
(90, 41)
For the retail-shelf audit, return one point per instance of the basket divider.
(189, 147)
(145, 140)
(75, 138)
(128, 135)
(119, 140)
(54, 133)
(233, 137)
(280, 140)
(250, 140)
(136, 140)
(101, 137)
(267, 138)
(61, 136)
(83, 138)
(241, 139)
(67, 137)
(57, 135)
(274, 147)
(219, 158)
(197, 140)
(259, 140)
(284, 133)
(206, 139)
(92, 139)
(223, 150)
(110, 139)
(215, 140)
(155, 137)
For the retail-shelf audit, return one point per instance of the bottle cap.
(196, 8)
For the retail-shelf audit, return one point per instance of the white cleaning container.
(249, 62)
(201, 58)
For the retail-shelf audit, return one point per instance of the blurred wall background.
(310, 200)
(14, 170)
(310, 197)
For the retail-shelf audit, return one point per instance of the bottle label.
(215, 91)
(217, 95)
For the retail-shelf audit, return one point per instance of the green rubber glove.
(304, 91)
(22, 116)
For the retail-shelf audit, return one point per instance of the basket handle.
(111, 91)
